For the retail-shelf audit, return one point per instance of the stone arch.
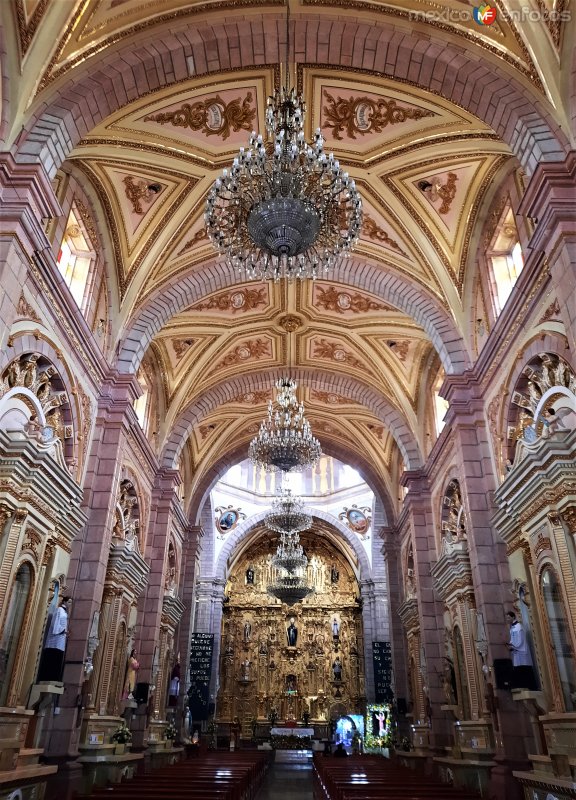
(229, 388)
(202, 491)
(106, 80)
(245, 527)
(182, 291)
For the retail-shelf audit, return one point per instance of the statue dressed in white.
(52, 659)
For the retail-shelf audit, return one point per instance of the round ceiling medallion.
(290, 322)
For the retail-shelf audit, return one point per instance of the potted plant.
(121, 737)
(170, 732)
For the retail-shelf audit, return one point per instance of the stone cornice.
(544, 480)
(549, 199)
(452, 572)
(32, 476)
(172, 610)
(127, 568)
(408, 613)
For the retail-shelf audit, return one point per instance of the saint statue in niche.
(292, 633)
(334, 574)
(250, 575)
(337, 669)
(247, 631)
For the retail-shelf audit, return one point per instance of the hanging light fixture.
(284, 209)
(288, 514)
(290, 554)
(285, 442)
(289, 588)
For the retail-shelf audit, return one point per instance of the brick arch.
(216, 470)
(244, 528)
(182, 291)
(107, 80)
(360, 392)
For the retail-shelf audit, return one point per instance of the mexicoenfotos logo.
(485, 14)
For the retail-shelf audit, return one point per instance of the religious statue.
(334, 574)
(449, 683)
(247, 631)
(380, 721)
(52, 659)
(292, 633)
(250, 575)
(335, 628)
(337, 669)
(246, 670)
(132, 668)
(174, 689)
(523, 672)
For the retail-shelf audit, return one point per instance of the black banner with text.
(382, 654)
(201, 648)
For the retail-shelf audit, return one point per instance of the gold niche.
(263, 668)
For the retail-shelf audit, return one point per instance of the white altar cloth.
(292, 731)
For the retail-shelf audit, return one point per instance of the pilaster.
(90, 551)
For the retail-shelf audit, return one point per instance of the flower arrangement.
(122, 735)
(170, 730)
(291, 742)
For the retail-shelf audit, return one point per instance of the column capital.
(118, 389)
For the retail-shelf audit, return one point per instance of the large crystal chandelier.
(289, 588)
(285, 442)
(284, 209)
(288, 514)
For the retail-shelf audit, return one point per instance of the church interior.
(288, 385)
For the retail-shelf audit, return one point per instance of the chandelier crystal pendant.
(284, 209)
(290, 554)
(288, 514)
(285, 442)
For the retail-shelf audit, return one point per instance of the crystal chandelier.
(288, 515)
(289, 588)
(285, 442)
(284, 209)
(290, 554)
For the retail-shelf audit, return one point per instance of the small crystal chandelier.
(288, 515)
(284, 209)
(290, 554)
(285, 442)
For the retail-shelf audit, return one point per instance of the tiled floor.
(287, 782)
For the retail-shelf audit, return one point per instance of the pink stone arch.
(243, 529)
(217, 469)
(458, 70)
(319, 379)
(398, 290)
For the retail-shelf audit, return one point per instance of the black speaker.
(141, 692)
(503, 672)
(402, 707)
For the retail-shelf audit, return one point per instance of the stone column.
(89, 558)
(390, 553)
(489, 565)
(188, 578)
(419, 509)
(26, 201)
(550, 202)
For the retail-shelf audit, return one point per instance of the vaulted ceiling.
(188, 82)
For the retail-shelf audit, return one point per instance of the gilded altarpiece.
(292, 660)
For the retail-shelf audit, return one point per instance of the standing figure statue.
(337, 669)
(523, 673)
(132, 668)
(52, 659)
(247, 631)
(292, 633)
(335, 628)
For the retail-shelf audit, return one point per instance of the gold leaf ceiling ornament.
(362, 115)
(245, 351)
(330, 299)
(213, 116)
(235, 301)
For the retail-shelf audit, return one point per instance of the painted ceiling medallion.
(290, 322)
(357, 519)
(227, 519)
(235, 301)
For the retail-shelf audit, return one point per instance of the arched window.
(12, 628)
(76, 259)
(560, 635)
(505, 259)
(440, 405)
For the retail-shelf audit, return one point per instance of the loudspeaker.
(401, 706)
(503, 672)
(141, 692)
